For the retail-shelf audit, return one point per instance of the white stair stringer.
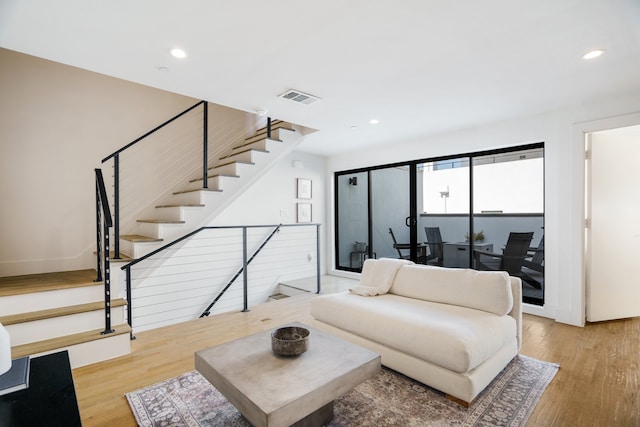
(170, 225)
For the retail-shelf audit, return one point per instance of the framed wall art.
(304, 212)
(304, 188)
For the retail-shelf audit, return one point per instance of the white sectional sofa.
(451, 329)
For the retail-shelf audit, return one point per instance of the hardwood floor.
(597, 384)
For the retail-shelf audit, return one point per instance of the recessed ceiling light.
(593, 53)
(374, 121)
(178, 53)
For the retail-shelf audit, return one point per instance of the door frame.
(577, 242)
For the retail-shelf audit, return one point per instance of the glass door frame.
(412, 220)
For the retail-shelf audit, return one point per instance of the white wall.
(56, 125)
(272, 200)
(562, 132)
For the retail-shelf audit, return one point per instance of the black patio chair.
(512, 257)
(436, 246)
(533, 266)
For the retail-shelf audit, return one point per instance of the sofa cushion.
(378, 275)
(456, 338)
(483, 290)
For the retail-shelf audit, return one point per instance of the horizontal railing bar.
(217, 227)
(152, 131)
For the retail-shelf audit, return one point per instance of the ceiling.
(421, 67)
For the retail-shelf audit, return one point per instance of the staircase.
(50, 312)
(193, 206)
(65, 312)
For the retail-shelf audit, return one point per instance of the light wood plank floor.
(597, 384)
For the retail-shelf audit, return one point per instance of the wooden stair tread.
(275, 124)
(42, 282)
(214, 176)
(198, 189)
(160, 221)
(253, 140)
(59, 311)
(139, 238)
(182, 206)
(66, 341)
(242, 151)
(123, 257)
(231, 163)
(112, 254)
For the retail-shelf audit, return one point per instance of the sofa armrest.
(516, 311)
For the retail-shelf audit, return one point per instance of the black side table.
(50, 399)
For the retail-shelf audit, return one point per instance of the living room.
(58, 121)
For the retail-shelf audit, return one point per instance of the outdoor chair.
(533, 266)
(436, 246)
(512, 257)
(395, 246)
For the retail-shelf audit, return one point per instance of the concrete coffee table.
(269, 390)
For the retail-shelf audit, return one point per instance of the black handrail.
(116, 167)
(243, 270)
(103, 223)
(157, 128)
(245, 263)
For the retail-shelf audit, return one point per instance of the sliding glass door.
(480, 210)
(390, 208)
(508, 216)
(352, 225)
(445, 211)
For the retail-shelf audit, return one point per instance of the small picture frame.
(304, 188)
(304, 212)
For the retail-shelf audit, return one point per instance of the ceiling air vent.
(300, 97)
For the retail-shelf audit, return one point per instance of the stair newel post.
(205, 146)
(129, 302)
(98, 229)
(244, 271)
(318, 258)
(116, 205)
(107, 283)
(269, 127)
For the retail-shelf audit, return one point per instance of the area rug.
(389, 399)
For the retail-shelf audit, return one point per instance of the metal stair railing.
(242, 271)
(104, 222)
(245, 263)
(116, 166)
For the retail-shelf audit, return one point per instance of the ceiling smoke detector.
(300, 97)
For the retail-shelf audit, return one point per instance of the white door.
(613, 231)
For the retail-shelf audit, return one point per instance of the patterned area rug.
(389, 399)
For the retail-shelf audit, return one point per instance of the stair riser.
(40, 330)
(178, 213)
(246, 156)
(215, 183)
(260, 144)
(230, 169)
(158, 231)
(95, 351)
(275, 134)
(190, 198)
(16, 304)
